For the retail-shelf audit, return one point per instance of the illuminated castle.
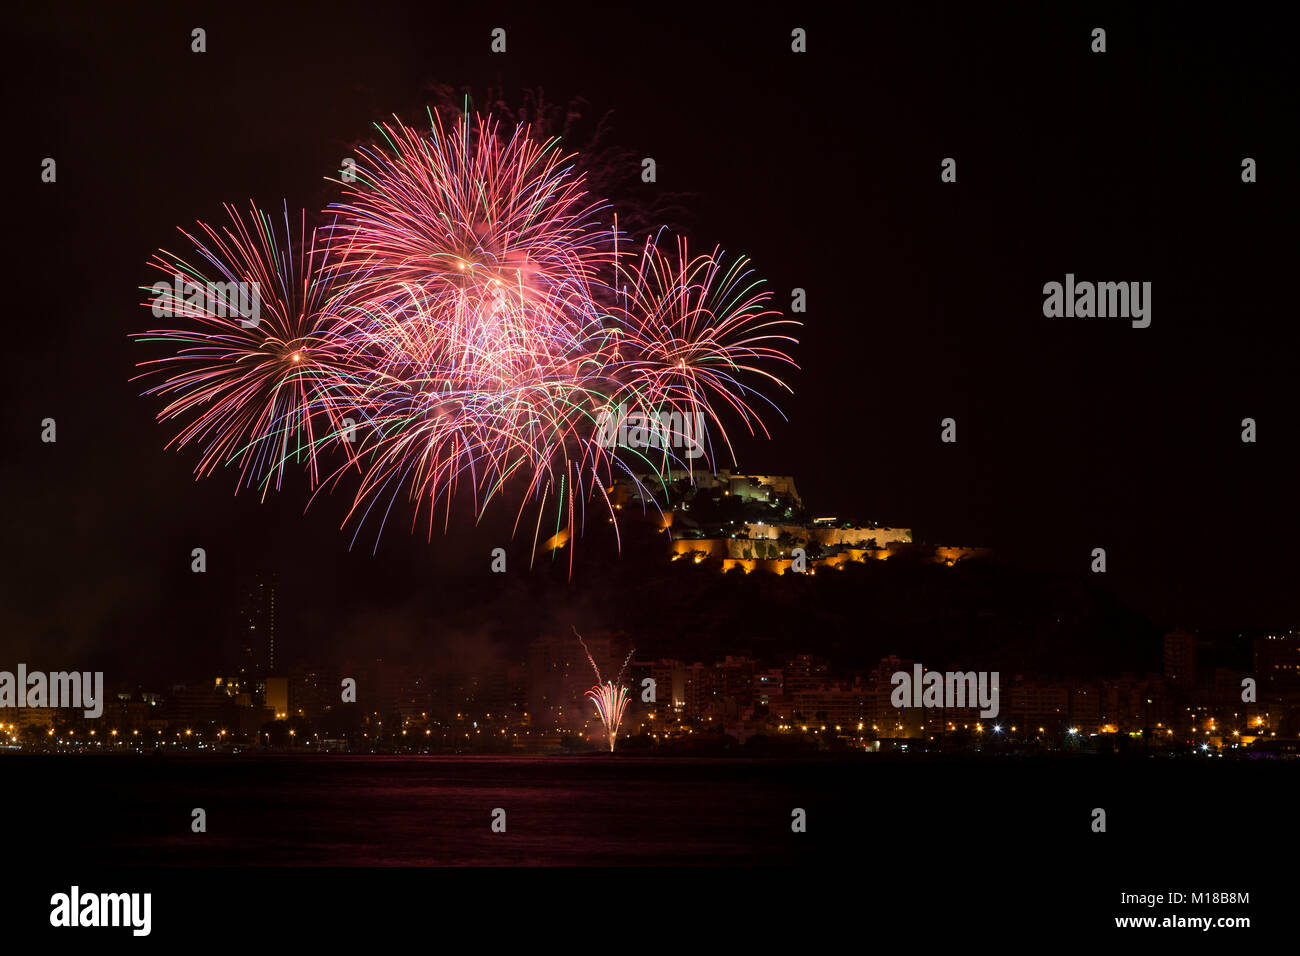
(756, 522)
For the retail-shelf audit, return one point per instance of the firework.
(611, 701)
(692, 330)
(610, 697)
(257, 359)
(469, 321)
(472, 260)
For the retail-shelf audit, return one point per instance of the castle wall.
(829, 535)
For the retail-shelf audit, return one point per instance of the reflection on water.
(594, 810)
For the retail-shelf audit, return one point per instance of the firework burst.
(693, 329)
(257, 360)
(610, 697)
(468, 320)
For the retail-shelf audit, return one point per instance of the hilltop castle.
(756, 522)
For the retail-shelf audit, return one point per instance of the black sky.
(925, 299)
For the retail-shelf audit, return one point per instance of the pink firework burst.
(468, 326)
(255, 356)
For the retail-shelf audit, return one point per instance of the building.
(1277, 667)
(314, 690)
(1180, 660)
(277, 696)
(254, 653)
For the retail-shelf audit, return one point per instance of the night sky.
(924, 298)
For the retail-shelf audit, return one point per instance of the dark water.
(986, 816)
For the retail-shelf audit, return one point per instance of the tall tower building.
(255, 646)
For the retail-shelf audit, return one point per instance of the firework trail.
(467, 324)
(258, 360)
(611, 702)
(610, 697)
